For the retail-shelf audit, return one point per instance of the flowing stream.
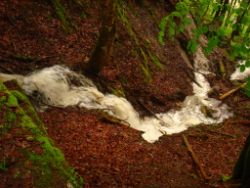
(61, 87)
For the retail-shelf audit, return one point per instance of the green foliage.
(181, 12)
(240, 48)
(212, 43)
(162, 27)
(226, 24)
(244, 66)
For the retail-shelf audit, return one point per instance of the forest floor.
(106, 154)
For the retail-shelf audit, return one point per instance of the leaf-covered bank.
(107, 154)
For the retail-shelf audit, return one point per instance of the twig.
(225, 95)
(221, 133)
(189, 147)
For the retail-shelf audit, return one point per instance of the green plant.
(3, 165)
(225, 24)
(181, 12)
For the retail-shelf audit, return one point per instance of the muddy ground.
(107, 154)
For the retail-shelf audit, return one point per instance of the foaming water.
(62, 87)
(238, 75)
(191, 113)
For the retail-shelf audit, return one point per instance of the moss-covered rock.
(31, 157)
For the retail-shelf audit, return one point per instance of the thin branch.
(225, 95)
(195, 159)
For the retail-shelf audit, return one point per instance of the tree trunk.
(242, 167)
(101, 56)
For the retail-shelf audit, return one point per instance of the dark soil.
(113, 155)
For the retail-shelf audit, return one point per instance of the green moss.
(12, 101)
(9, 120)
(27, 122)
(41, 168)
(142, 49)
(20, 96)
(2, 86)
(10, 116)
(63, 15)
(29, 109)
(118, 92)
(3, 99)
(122, 14)
(48, 167)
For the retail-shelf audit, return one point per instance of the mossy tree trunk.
(102, 54)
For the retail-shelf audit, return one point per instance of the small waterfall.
(61, 87)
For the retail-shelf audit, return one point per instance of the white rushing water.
(238, 75)
(61, 87)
